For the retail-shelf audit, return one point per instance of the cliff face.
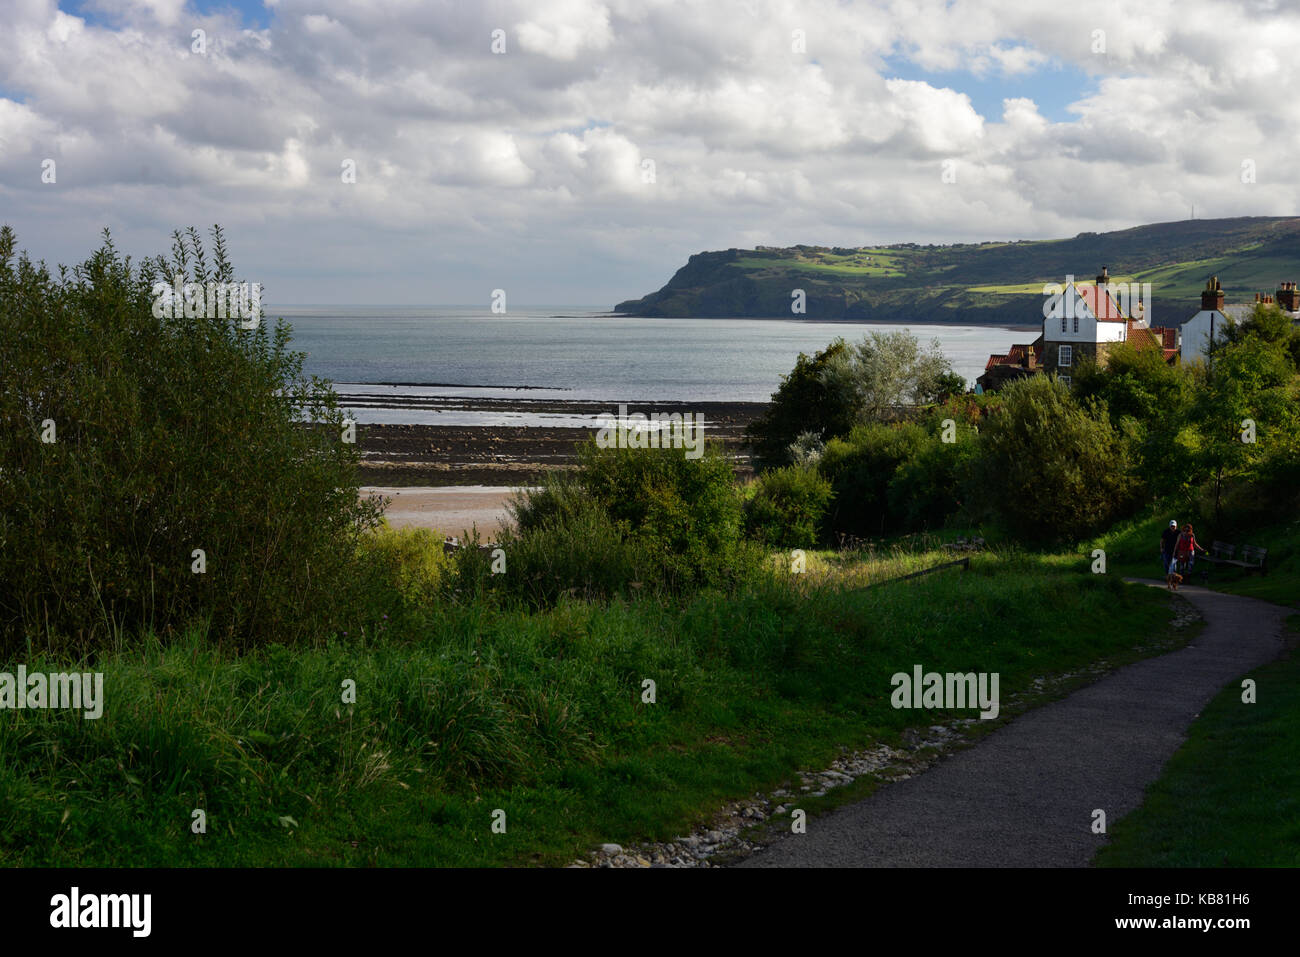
(992, 283)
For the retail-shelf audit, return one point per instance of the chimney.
(1288, 297)
(1104, 277)
(1212, 295)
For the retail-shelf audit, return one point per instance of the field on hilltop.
(991, 282)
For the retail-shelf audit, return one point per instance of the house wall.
(1196, 334)
(1083, 351)
(1090, 330)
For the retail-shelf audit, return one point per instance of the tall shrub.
(170, 437)
(1047, 469)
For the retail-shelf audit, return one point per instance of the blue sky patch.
(1054, 86)
(254, 15)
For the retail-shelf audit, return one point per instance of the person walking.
(1168, 545)
(1185, 550)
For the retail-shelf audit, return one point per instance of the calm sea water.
(574, 352)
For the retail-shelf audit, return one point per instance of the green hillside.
(992, 282)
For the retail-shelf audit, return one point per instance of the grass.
(1230, 797)
(837, 269)
(1244, 273)
(538, 714)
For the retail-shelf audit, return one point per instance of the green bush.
(1048, 470)
(576, 550)
(170, 435)
(411, 562)
(558, 501)
(925, 490)
(809, 399)
(860, 468)
(786, 507)
(650, 516)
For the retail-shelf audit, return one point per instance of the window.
(1076, 323)
(1063, 321)
(1065, 380)
(1065, 356)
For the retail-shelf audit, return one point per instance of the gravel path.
(1024, 796)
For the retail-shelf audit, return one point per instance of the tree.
(806, 401)
(1245, 404)
(1267, 323)
(1147, 400)
(1047, 469)
(890, 369)
(845, 385)
(157, 470)
(1135, 382)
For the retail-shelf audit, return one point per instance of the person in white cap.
(1168, 545)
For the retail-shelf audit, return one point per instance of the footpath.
(1024, 796)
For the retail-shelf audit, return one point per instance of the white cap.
(1173, 523)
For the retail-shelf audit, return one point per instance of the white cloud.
(487, 157)
(562, 29)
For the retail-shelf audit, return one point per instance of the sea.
(438, 364)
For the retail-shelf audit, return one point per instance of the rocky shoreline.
(512, 455)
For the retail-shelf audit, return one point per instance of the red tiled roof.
(1164, 338)
(1103, 306)
(1016, 355)
(1142, 337)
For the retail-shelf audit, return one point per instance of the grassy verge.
(1230, 797)
(538, 714)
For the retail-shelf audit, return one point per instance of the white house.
(1081, 323)
(1208, 325)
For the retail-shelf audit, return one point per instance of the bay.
(578, 353)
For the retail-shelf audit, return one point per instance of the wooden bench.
(1253, 558)
(1221, 553)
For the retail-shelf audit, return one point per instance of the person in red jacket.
(1186, 549)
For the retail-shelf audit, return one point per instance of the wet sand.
(452, 511)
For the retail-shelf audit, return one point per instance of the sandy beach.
(451, 510)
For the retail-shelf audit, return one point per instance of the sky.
(578, 151)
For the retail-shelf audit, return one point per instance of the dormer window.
(1065, 356)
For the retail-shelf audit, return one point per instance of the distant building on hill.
(1082, 323)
